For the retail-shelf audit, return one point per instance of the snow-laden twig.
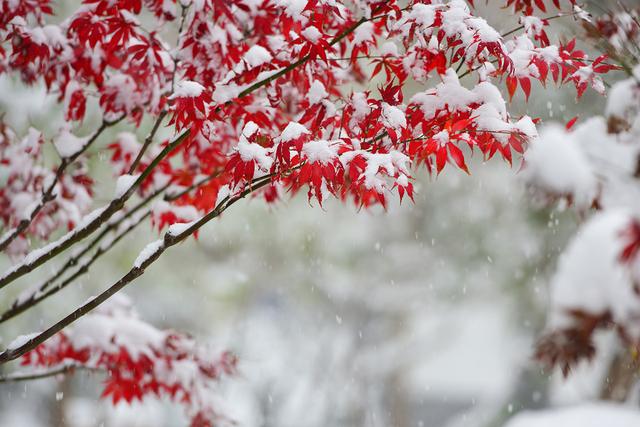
(46, 290)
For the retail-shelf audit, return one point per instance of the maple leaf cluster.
(225, 75)
(139, 361)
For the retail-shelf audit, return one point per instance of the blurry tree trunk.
(58, 418)
(622, 375)
(398, 400)
(399, 404)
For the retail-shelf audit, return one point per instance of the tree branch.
(75, 236)
(45, 291)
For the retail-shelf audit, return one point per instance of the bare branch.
(147, 142)
(28, 376)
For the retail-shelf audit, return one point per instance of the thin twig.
(28, 376)
(147, 141)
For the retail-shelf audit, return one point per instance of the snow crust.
(123, 184)
(586, 415)
(256, 56)
(179, 228)
(147, 252)
(393, 117)
(556, 163)
(312, 34)
(320, 151)
(225, 92)
(364, 33)
(36, 254)
(21, 340)
(252, 151)
(317, 92)
(67, 144)
(187, 89)
(293, 131)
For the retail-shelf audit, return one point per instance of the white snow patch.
(590, 276)
(364, 33)
(179, 228)
(293, 131)
(393, 117)
(251, 151)
(585, 415)
(312, 34)
(21, 340)
(320, 151)
(123, 184)
(187, 89)
(256, 56)
(556, 163)
(148, 251)
(317, 92)
(67, 144)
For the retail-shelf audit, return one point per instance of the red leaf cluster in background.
(139, 361)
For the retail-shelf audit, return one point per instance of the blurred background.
(424, 315)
